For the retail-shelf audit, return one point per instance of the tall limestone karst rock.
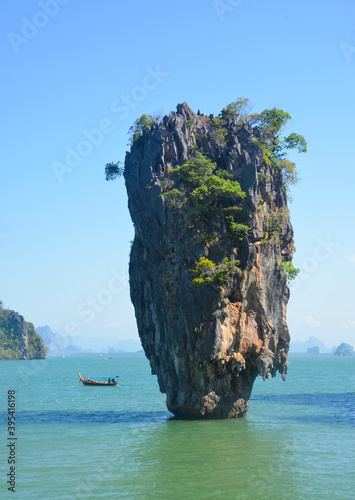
(207, 265)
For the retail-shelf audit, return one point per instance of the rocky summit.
(209, 262)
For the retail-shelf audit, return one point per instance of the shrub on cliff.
(113, 170)
(195, 171)
(290, 271)
(207, 193)
(204, 187)
(139, 126)
(270, 124)
(237, 110)
(208, 272)
(289, 176)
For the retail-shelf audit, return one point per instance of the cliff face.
(18, 339)
(208, 341)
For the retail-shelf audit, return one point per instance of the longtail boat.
(89, 381)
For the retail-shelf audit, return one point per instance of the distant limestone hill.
(297, 346)
(57, 344)
(62, 344)
(344, 350)
(18, 338)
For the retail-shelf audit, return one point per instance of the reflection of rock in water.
(208, 343)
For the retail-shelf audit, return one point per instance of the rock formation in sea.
(18, 338)
(210, 259)
(344, 350)
(313, 350)
(298, 346)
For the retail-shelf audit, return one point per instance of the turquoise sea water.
(76, 442)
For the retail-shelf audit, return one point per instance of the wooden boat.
(89, 381)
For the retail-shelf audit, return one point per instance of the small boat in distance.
(89, 381)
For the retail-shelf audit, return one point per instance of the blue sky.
(76, 71)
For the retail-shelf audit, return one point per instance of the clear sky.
(77, 73)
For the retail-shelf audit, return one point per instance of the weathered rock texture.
(207, 344)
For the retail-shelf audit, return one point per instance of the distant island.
(308, 346)
(315, 346)
(313, 350)
(18, 338)
(63, 344)
(344, 350)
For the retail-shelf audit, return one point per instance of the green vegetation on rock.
(207, 281)
(205, 185)
(237, 110)
(209, 195)
(274, 223)
(208, 272)
(270, 124)
(290, 271)
(202, 195)
(18, 338)
(289, 176)
(113, 170)
(236, 231)
(139, 126)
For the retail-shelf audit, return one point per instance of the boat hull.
(94, 382)
(88, 381)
